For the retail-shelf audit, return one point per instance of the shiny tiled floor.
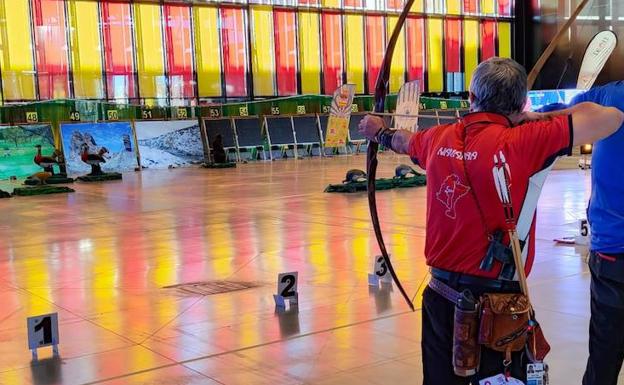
(102, 256)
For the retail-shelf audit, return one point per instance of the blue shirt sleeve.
(609, 95)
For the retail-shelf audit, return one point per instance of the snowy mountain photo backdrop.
(172, 143)
(117, 137)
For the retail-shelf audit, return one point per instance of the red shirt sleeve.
(420, 143)
(539, 143)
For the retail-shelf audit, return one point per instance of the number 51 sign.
(43, 331)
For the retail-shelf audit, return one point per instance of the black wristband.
(384, 138)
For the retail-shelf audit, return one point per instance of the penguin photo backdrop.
(18, 151)
(115, 137)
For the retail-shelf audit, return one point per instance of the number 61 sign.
(286, 289)
(43, 331)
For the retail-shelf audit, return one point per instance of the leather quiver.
(466, 348)
(504, 322)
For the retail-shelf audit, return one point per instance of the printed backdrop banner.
(169, 143)
(117, 137)
(17, 145)
(339, 116)
(408, 103)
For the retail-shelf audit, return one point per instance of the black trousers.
(606, 327)
(437, 345)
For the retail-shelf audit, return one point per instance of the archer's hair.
(499, 85)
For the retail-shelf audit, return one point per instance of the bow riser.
(381, 90)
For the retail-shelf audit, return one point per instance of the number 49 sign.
(286, 289)
(43, 331)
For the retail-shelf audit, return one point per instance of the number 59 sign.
(42, 331)
(286, 289)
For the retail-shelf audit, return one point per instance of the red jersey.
(457, 238)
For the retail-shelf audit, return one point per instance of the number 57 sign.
(43, 331)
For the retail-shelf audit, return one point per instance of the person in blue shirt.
(605, 215)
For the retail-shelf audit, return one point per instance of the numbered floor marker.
(286, 289)
(43, 331)
(583, 237)
(380, 274)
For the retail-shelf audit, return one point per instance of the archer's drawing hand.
(370, 127)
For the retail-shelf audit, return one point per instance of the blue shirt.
(606, 206)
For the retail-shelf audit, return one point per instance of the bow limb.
(537, 68)
(381, 90)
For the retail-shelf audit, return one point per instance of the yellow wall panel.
(332, 3)
(398, 67)
(453, 7)
(309, 52)
(488, 7)
(150, 51)
(16, 59)
(86, 49)
(435, 51)
(207, 51)
(471, 48)
(418, 6)
(262, 57)
(354, 42)
(504, 39)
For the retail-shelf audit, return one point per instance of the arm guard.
(384, 137)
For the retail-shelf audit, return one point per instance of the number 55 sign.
(43, 331)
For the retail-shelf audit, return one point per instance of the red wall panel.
(179, 51)
(51, 48)
(353, 3)
(375, 48)
(118, 50)
(470, 6)
(332, 51)
(488, 39)
(415, 48)
(452, 42)
(285, 27)
(504, 7)
(234, 43)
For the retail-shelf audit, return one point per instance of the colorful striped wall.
(188, 54)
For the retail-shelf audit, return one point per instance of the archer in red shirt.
(458, 227)
(464, 212)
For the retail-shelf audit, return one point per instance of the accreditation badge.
(500, 380)
(537, 374)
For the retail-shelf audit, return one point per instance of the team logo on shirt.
(451, 191)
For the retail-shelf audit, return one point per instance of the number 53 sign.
(42, 331)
